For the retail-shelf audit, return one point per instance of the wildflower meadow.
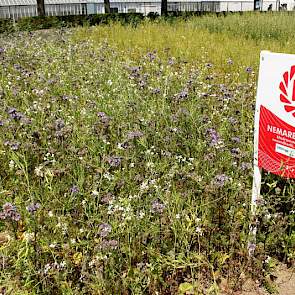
(126, 159)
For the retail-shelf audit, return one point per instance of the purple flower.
(104, 229)
(209, 157)
(114, 161)
(251, 248)
(249, 70)
(8, 207)
(171, 61)
(134, 72)
(17, 66)
(230, 61)
(74, 189)
(32, 208)
(59, 124)
(109, 244)
(142, 83)
(157, 207)
(14, 146)
(104, 119)
(65, 97)
(220, 180)
(232, 120)
(10, 212)
(134, 135)
(151, 56)
(235, 151)
(107, 198)
(14, 114)
(236, 139)
(214, 137)
(155, 90)
(245, 166)
(182, 94)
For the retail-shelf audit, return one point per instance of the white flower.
(95, 193)
(108, 176)
(144, 186)
(267, 260)
(199, 230)
(28, 237)
(47, 268)
(38, 171)
(63, 264)
(150, 164)
(50, 214)
(11, 164)
(141, 214)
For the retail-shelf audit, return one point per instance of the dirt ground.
(285, 283)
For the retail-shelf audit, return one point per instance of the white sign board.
(274, 139)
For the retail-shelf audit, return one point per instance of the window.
(114, 9)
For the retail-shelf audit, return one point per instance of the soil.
(284, 284)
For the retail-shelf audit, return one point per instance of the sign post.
(274, 132)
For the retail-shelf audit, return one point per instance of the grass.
(209, 38)
(126, 158)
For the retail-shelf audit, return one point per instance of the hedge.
(47, 22)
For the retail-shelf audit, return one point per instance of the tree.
(107, 6)
(164, 7)
(41, 7)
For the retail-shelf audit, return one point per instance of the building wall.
(76, 7)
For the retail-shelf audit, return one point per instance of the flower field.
(126, 159)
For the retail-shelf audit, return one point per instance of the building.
(22, 8)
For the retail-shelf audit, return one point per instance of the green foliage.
(40, 23)
(6, 26)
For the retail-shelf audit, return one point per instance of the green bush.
(37, 23)
(6, 26)
(41, 23)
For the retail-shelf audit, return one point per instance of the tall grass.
(208, 38)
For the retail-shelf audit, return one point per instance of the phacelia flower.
(157, 207)
(104, 229)
(32, 208)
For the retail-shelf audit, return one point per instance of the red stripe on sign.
(284, 99)
(283, 88)
(274, 133)
(292, 72)
(293, 95)
(286, 78)
(289, 108)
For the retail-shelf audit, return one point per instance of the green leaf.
(185, 287)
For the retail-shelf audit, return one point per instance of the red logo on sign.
(287, 87)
